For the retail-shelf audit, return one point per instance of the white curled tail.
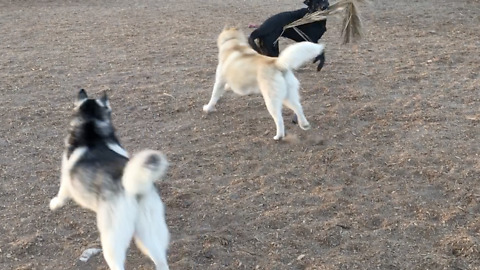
(294, 56)
(143, 170)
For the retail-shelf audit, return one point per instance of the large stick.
(352, 24)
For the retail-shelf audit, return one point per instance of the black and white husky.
(98, 175)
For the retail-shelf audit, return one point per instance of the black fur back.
(86, 131)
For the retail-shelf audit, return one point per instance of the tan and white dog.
(247, 72)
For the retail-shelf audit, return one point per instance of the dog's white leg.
(63, 192)
(274, 92)
(218, 90)
(116, 224)
(275, 109)
(297, 108)
(61, 198)
(274, 106)
(151, 231)
(153, 250)
(292, 100)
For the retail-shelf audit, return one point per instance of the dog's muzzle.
(316, 7)
(323, 6)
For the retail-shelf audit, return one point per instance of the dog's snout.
(317, 5)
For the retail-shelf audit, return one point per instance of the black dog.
(269, 32)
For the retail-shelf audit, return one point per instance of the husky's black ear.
(307, 2)
(82, 95)
(105, 101)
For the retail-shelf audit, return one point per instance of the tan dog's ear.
(227, 28)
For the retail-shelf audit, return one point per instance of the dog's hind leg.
(151, 231)
(151, 243)
(273, 95)
(269, 45)
(274, 107)
(292, 101)
(321, 59)
(116, 223)
(218, 90)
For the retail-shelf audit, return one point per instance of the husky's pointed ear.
(105, 101)
(82, 96)
(104, 98)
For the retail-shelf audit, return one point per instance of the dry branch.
(351, 26)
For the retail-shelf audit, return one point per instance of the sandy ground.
(388, 178)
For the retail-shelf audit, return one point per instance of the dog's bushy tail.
(143, 170)
(294, 56)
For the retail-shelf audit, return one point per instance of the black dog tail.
(251, 40)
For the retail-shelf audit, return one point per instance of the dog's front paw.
(55, 203)
(207, 108)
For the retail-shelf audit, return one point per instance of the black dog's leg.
(295, 119)
(251, 40)
(321, 58)
(270, 45)
(276, 50)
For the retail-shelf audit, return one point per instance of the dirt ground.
(388, 177)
